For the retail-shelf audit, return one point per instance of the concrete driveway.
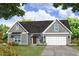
(59, 51)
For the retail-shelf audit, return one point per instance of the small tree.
(74, 26)
(3, 30)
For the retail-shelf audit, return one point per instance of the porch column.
(43, 38)
(37, 41)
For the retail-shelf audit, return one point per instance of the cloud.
(63, 14)
(39, 16)
(36, 6)
(41, 11)
(50, 9)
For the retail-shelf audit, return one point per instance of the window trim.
(56, 27)
(17, 27)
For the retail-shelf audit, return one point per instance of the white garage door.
(55, 40)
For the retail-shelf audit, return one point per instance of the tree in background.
(67, 5)
(24, 20)
(7, 10)
(74, 26)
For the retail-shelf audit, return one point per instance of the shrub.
(78, 42)
(75, 41)
(42, 44)
(1, 35)
(1, 41)
(13, 44)
(5, 37)
(7, 51)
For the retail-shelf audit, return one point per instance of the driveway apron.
(51, 50)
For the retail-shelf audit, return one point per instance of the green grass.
(28, 50)
(75, 47)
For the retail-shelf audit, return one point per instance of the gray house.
(56, 32)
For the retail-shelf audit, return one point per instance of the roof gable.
(17, 28)
(40, 26)
(65, 22)
(36, 26)
(52, 29)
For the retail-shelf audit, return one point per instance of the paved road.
(59, 51)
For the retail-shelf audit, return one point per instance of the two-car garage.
(56, 39)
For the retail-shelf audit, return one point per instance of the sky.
(41, 12)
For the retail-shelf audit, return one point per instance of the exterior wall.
(69, 39)
(66, 35)
(62, 32)
(23, 35)
(61, 28)
(9, 37)
(29, 39)
(24, 39)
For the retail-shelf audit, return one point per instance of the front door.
(34, 40)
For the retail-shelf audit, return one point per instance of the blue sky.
(41, 11)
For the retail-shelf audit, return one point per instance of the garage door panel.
(55, 40)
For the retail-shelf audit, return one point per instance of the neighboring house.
(56, 32)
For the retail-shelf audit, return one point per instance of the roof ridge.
(42, 20)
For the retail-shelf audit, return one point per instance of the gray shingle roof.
(40, 26)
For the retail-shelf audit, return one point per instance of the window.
(17, 38)
(12, 36)
(17, 41)
(56, 27)
(17, 27)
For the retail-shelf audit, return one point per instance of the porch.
(36, 39)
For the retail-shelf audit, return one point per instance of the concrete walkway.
(59, 51)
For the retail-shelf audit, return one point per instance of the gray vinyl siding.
(69, 39)
(23, 35)
(61, 28)
(24, 39)
(9, 37)
(29, 39)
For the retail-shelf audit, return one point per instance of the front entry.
(34, 40)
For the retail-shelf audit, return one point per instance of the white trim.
(22, 27)
(11, 27)
(53, 23)
(63, 25)
(56, 27)
(23, 32)
(19, 25)
(57, 33)
(49, 26)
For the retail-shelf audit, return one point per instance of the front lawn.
(20, 50)
(75, 47)
(28, 50)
